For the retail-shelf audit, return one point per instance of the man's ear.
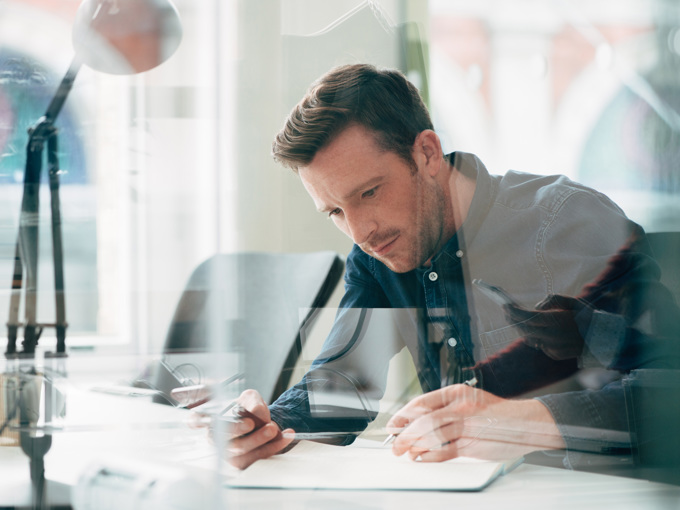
(427, 151)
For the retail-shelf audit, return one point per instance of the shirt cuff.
(581, 427)
(603, 339)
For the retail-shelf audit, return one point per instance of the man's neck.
(461, 190)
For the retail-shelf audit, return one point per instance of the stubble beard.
(426, 240)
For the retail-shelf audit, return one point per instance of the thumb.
(555, 302)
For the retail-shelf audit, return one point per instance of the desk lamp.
(114, 37)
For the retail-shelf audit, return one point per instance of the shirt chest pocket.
(491, 342)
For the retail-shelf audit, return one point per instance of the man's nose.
(360, 227)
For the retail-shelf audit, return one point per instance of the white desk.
(526, 487)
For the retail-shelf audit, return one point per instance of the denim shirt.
(531, 235)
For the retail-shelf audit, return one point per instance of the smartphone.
(239, 412)
(495, 293)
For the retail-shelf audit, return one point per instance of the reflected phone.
(240, 412)
(495, 293)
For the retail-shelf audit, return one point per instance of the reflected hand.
(551, 327)
(436, 426)
(254, 436)
(460, 420)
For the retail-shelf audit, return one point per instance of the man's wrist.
(528, 422)
(541, 425)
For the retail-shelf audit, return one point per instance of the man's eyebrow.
(357, 189)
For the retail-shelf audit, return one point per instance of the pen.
(319, 435)
(389, 439)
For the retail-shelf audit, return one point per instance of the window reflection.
(574, 89)
(27, 85)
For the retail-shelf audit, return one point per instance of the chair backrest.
(666, 249)
(262, 302)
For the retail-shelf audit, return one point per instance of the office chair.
(262, 302)
(666, 249)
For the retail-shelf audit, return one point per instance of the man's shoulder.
(521, 190)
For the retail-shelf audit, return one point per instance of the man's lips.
(384, 248)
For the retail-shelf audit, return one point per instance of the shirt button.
(452, 342)
(433, 276)
(459, 254)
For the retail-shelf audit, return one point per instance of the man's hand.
(462, 421)
(552, 326)
(251, 439)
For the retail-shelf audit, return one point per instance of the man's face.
(390, 211)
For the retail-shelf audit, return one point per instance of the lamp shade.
(126, 36)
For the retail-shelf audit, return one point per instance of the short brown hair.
(381, 100)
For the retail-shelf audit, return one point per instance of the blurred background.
(163, 169)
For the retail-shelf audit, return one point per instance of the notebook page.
(321, 466)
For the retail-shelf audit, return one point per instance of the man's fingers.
(242, 461)
(529, 320)
(433, 439)
(436, 413)
(438, 399)
(450, 440)
(407, 414)
(544, 320)
(428, 403)
(427, 432)
(244, 443)
(250, 433)
(240, 427)
(559, 302)
(519, 314)
(257, 408)
(443, 452)
(544, 323)
(253, 402)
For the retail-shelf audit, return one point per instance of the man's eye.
(334, 212)
(369, 193)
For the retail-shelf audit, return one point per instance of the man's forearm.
(524, 422)
(540, 427)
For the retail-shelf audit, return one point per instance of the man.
(425, 225)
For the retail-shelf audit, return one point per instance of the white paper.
(313, 465)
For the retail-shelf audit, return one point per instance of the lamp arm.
(26, 252)
(63, 91)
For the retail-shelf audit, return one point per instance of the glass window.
(141, 174)
(585, 89)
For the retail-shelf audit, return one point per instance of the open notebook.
(313, 465)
